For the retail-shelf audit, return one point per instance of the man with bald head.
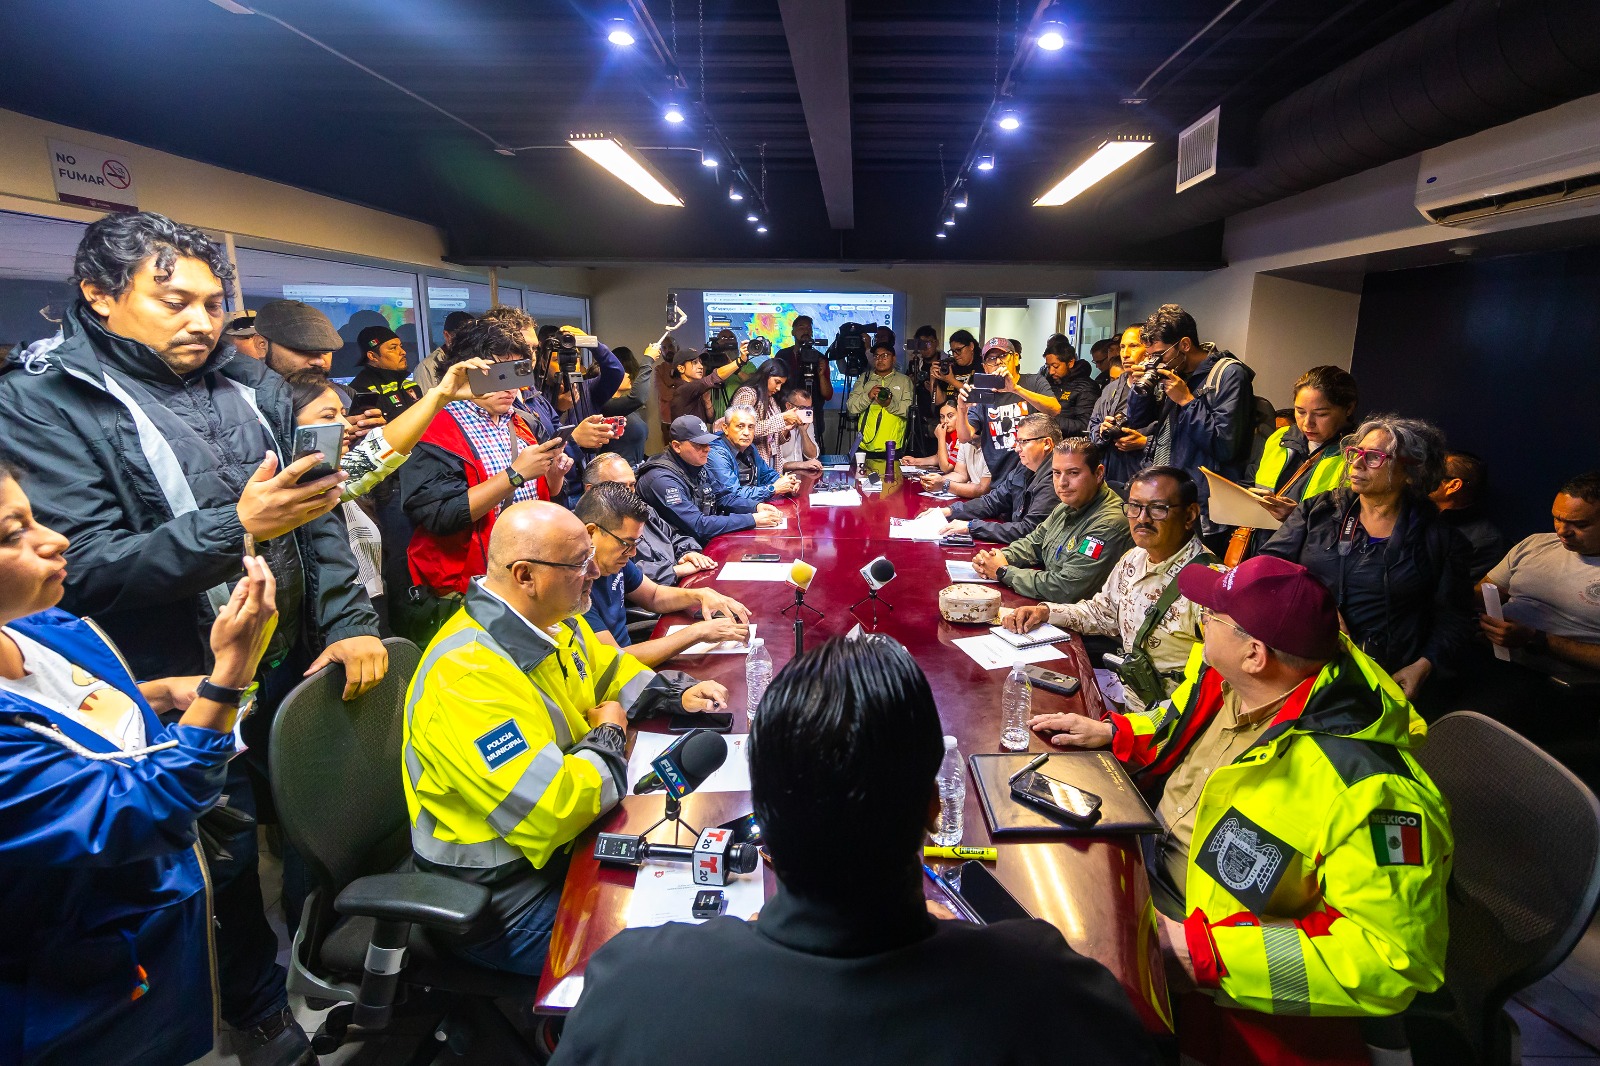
(515, 725)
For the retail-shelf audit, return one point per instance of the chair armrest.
(429, 899)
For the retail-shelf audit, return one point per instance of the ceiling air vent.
(1197, 150)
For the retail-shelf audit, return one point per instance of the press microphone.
(685, 764)
(878, 573)
(800, 574)
(715, 855)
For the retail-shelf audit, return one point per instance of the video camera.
(851, 346)
(920, 360)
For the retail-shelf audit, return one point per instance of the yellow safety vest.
(1328, 473)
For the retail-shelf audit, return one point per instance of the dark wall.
(1504, 356)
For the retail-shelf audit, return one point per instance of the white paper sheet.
(939, 495)
(1232, 504)
(926, 526)
(742, 571)
(665, 891)
(837, 498)
(732, 776)
(992, 653)
(726, 647)
(963, 572)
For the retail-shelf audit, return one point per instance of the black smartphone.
(986, 389)
(1050, 680)
(760, 557)
(506, 375)
(987, 896)
(565, 432)
(685, 721)
(746, 830)
(1057, 797)
(324, 437)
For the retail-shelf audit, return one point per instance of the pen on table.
(1033, 764)
(958, 903)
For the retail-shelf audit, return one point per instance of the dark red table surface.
(1093, 889)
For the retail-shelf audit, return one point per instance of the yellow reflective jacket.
(1284, 453)
(501, 769)
(1317, 872)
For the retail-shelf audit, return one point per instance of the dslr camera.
(1149, 382)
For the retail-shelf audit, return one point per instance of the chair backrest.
(1527, 862)
(335, 770)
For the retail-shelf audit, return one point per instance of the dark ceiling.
(243, 92)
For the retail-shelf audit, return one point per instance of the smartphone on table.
(324, 437)
(1056, 797)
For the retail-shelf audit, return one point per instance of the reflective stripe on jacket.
(1316, 877)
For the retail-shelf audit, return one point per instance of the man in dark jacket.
(666, 555)
(144, 446)
(1019, 499)
(846, 969)
(1205, 409)
(1067, 388)
(384, 383)
(1458, 497)
(675, 484)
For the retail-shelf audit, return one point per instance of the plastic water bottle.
(1016, 707)
(757, 676)
(952, 796)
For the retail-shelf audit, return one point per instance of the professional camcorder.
(850, 346)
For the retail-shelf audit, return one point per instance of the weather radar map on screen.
(772, 314)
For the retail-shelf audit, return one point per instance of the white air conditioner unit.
(1548, 162)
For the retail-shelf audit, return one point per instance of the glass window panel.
(35, 263)
(353, 297)
(448, 294)
(552, 310)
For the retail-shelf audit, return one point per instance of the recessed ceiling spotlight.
(1010, 120)
(941, 235)
(619, 33)
(752, 217)
(950, 220)
(985, 162)
(1052, 35)
(673, 114)
(710, 157)
(761, 229)
(735, 193)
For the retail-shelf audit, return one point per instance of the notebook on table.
(1122, 809)
(1045, 634)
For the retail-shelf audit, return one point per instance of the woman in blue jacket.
(106, 952)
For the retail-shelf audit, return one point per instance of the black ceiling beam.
(819, 48)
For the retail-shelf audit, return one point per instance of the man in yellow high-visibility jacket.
(514, 730)
(1303, 864)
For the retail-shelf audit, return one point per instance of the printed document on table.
(963, 572)
(732, 776)
(742, 571)
(992, 653)
(839, 498)
(665, 891)
(726, 647)
(926, 526)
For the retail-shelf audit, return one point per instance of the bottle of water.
(952, 796)
(1016, 707)
(757, 676)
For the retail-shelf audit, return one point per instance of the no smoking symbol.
(116, 174)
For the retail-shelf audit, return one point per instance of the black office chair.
(363, 945)
(1523, 890)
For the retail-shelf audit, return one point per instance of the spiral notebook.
(1122, 809)
(1045, 634)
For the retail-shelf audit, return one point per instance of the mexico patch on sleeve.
(1396, 837)
(1092, 547)
(501, 744)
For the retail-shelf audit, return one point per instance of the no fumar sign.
(90, 177)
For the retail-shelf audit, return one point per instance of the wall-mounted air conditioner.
(1548, 162)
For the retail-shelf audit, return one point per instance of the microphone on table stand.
(877, 574)
(678, 771)
(800, 575)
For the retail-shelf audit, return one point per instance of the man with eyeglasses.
(1020, 498)
(614, 517)
(1301, 868)
(993, 425)
(797, 448)
(677, 484)
(1163, 512)
(1068, 556)
(1201, 403)
(515, 728)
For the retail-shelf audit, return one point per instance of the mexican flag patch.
(1396, 837)
(1092, 547)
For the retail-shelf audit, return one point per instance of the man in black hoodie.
(384, 383)
(1067, 388)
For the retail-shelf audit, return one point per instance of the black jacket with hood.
(142, 470)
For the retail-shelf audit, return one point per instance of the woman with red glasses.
(1379, 546)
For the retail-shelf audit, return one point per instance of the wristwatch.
(230, 697)
(946, 486)
(515, 478)
(1000, 574)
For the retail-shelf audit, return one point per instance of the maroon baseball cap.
(1278, 602)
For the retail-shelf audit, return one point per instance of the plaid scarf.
(492, 442)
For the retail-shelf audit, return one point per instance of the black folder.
(1122, 809)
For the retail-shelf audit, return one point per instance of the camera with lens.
(849, 348)
(758, 347)
(920, 359)
(1149, 382)
(1106, 435)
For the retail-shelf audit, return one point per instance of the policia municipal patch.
(1245, 859)
(1396, 837)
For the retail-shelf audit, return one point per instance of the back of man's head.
(608, 504)
(843, 758)
(605, 468)
(1039, 425)
(1473, 474)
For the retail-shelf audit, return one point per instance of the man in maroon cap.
(1302, 867)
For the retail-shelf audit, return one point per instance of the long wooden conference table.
(1093, 889)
